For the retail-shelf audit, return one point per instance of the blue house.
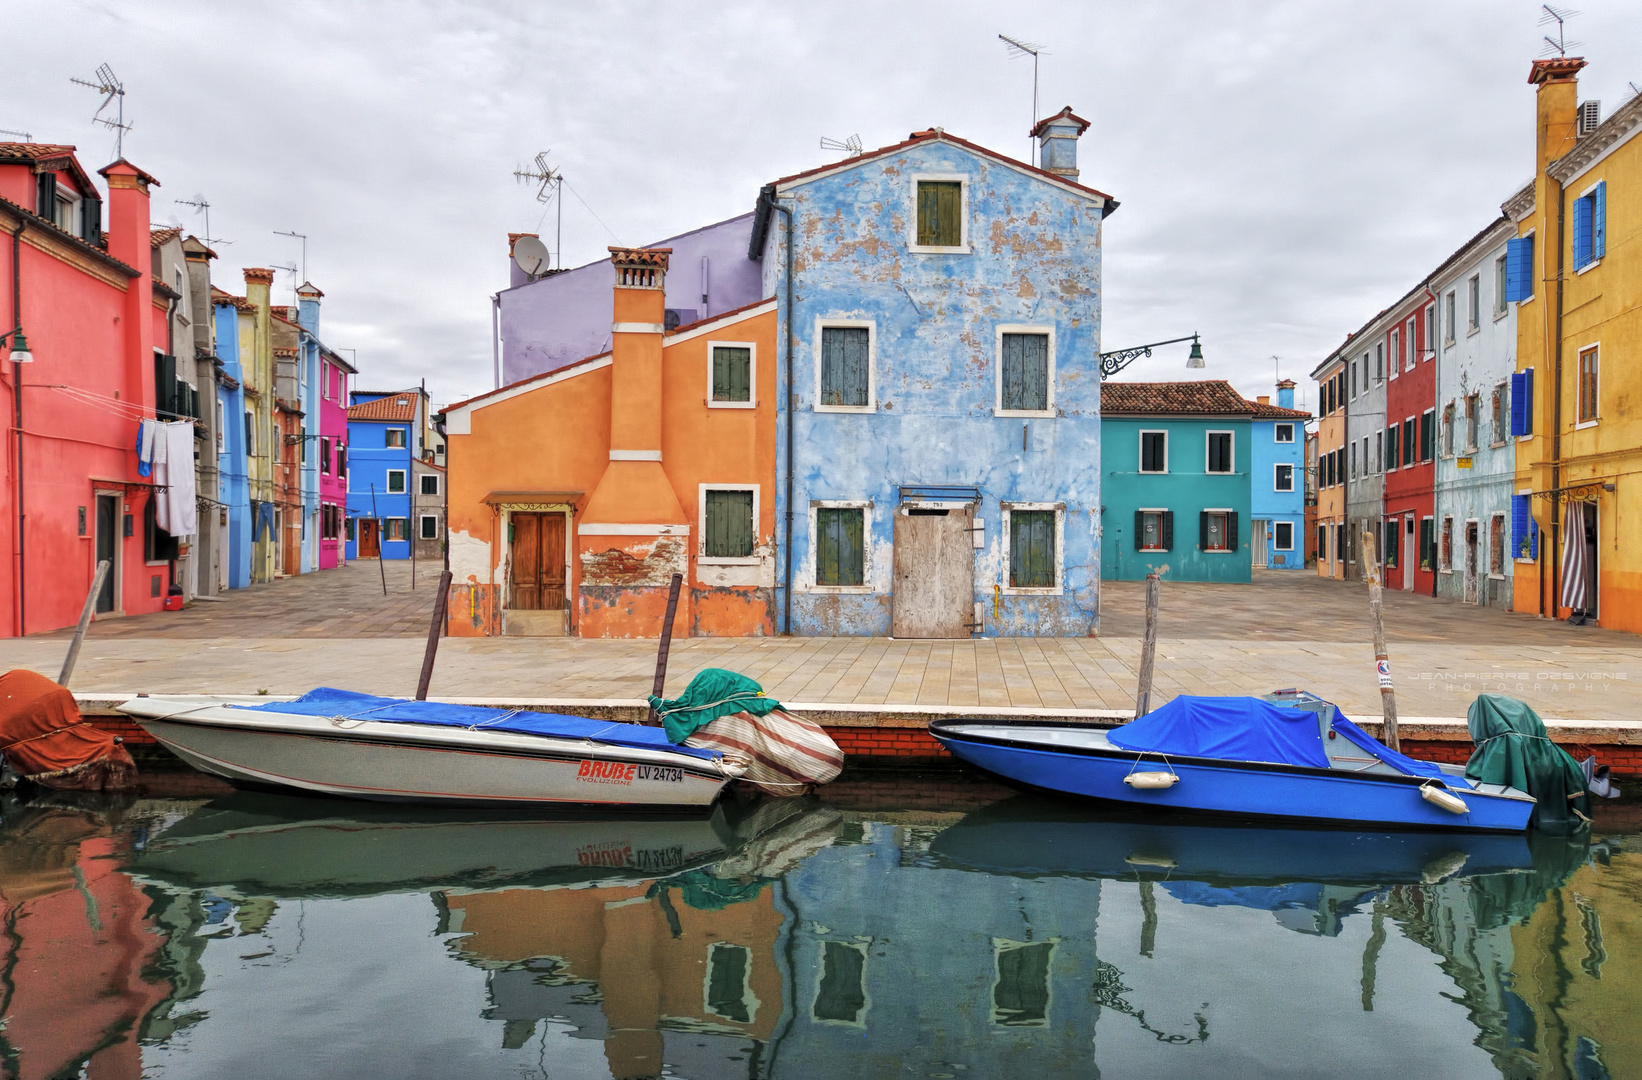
(1277, 489)
(939, 468)
(233, 470)
(384, 437)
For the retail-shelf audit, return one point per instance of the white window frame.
(425, 476)
(1149, 510)
(1276, 465)
(1393, 353)
(1412, 328)
(1501, 305)
(865, 506)
(1504, 544)
(1275, 546)
(1351, 377)
(1221, 510)
(385, 538)
(1140, 445)
(1579, 380)
(752, 372)
(387, 482)
(871, 326)
(963, 215)
(403, 432)
(1277, 429)
(1431, 330)
(1045, 330)
(739, 560)
(1058, 588)
(1451, 316)
(1229, 472)
(420, 518)
(1473, 304)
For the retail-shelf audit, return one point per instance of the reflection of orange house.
(574, 496)
(717, 972)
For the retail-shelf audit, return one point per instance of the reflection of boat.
(339, 743)
(1290, 757)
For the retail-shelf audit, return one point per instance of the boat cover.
(713, 693)
(347, 705)
(1400, 762)
(43, 737)
(1231, 728)
(1513, 748)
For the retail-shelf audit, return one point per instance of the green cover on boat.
(1512, 748)
(713, 693)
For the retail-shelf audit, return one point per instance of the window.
(1284, 433)
(1413, 343)
(1154, 530)
(1322, 541)
(1025, 371)
(1497, 409)
(839, 547)
(1473, 420)
(1020, 995)
(940, 222)
(342, 461)
(1445, 554)
(1391, 447)
(393, 437)
(1588, 385)
(396, 528)
(1282, 536)
(841, 994)
(1519, 269)
(396, 481)
(1219, 452)
(844, 376)
(730, 376)
(1590, 227)
(1428, 544)
(1473, 302)
(1031, 549)
(429, 483)
(325, 384)
(1393, 541)
(1365, 373)
(1450, 324)
(1379, 456)
(727, 523)
(1379, 361)
(429, 527)
(1448, 430)
(158, 545)
(349, 529)
(1217, 530)
(1394, 362)
(1496, 545)
(1154, 451)
(1499, 286)
(1354, 459)
(1524, 533)
(1353, 380)
(1283, 477)
(221, 435)
(728, 989)
(1522, 403)
(324, 455)
(1431, 331)
(250, 434)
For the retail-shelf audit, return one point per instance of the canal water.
(886, 929)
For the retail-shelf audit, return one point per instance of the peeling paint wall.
(1034, 260)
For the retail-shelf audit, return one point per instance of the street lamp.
(19, 347)
(1115, 361)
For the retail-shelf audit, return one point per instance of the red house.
(92, 314)
(1409, 546)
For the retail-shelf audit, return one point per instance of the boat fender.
(1441, 796)
(1152, 780)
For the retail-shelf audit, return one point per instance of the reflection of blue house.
(384, 437)
(233, 482)
(1277, 487)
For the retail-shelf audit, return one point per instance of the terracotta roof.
(284, 350)
(1277, 412)
(1214, 397)
(528, 379)
(144, 177)
(1066, 113)
(732, 313)
(34, 151)
(387, 408)
(157, 237)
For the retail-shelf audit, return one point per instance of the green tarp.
(713, 693)
(1512, 748)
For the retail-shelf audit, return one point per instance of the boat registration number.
(622, 772)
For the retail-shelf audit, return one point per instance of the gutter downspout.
(1556, 411)
(17, 400)
(790, 403)
(495, 339)
(1436, 435)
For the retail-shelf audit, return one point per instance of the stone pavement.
(1289, 629)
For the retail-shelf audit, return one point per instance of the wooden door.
(537, 558)
(370, 538)
(934, 591)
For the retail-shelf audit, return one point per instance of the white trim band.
(635, 455)
(595, 529)
(637, 328)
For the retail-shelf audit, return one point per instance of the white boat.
(340, 743)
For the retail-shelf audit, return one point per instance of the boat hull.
(1252, 789)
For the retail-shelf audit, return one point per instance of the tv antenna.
(1560, 44)
(109, 84)
(289, 268)
(850, 146)
(1018, 49)
(304, 238)
(201, 206)
(549, 186)
(26, 137)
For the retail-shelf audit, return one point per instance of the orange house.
(576, 495)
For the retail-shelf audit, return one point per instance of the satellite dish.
(531, 256)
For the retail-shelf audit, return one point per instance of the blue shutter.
(1519, 398)
(1528, 402)
(1582, 231)
(1599, 220)
(1519, 269)
(1520, 521)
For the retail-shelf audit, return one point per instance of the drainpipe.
(495, 339)
(790, 402)
(1436, 387)
(17, 399)
(1556, 412)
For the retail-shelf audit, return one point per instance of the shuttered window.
(1154, 451)
(1025, 372)
(732, 373)
(841, 995)
(1154, 530)
(1590, 227)
(1519, 269)
(1217, 530)
(45, 196)
(1522, 403)
(91, 219)
(940, 210)
(1392, 533)
(728, 530)
(1032, 549)
(1220, 452)
(839, 554)
(325, 456)
(1524, 534)
(396, 529)
(1428, 434)
(845, 366)
(396, 481)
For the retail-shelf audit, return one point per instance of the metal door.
(537, 558)
(1257, 543)
(1470, 562)
(108, 533)
(934, 590)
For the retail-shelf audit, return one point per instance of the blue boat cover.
(1231, 728)
(347, 705)
(1400, 762)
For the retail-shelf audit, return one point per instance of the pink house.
(334, 373)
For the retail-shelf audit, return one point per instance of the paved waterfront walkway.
(1289, 629)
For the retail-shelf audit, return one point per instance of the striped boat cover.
(785, 755)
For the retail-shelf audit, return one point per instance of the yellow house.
(1332, 543)
(1575, 272)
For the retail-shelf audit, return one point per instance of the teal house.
(1176, 463)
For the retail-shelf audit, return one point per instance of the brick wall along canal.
(894, 928)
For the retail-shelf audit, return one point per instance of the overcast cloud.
(1285, 169)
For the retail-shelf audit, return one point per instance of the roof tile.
(387, 408)
(1214, 397)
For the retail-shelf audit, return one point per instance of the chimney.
(1264, 399)
(308, 297)
(128, 232)
(1285, 394)
(1058, 142)
(258, 368)
(1558, 107)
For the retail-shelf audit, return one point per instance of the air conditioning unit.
(1590, 115)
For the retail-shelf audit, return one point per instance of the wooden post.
(1382, 662)
(434, 631)
(381, 538)
(1148, 648)
(666, 641)
(85, 621)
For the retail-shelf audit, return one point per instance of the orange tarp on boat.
(44, 738)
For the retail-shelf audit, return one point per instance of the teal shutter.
(729, 526)
(1140, 530)
(732, 374)
(844, 365)
(1032, 549)
(1231, 531)
(1026, 372)
(839, 557)
(1168, 530)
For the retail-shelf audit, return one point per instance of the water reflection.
(275, 936)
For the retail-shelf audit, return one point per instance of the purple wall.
(564, 318)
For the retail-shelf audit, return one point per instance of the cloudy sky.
(1285, 169)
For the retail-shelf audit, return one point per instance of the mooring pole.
(433, 636)
(1148, 647)
(666, 641)
(85, 621)
(1382, 661)
(381, 539)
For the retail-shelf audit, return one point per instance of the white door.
(1258, 544)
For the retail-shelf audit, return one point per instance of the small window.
(1154, 451)
(1032, 549)
(1499, 286)
(1352, 381)
(940, 213)
(839, 551)
(1590, 227)
(846, 367)
(1379, 361)
(728, 985)
(1353, 456)
(393, 437)
(1393, 542)
(1394, 362)
(396, 481)
(1499, 412)
(1473, 301)
(1473, 420)
(1284, 433)
(727, 532)
(429, 526)
(1445, 549)
(1154, 530)
(1451, 326)
(732, 374)
(1024, 371)
(841, 994)
(1283, 480)
(342, 461)
(1496, 544)
(1448, 430)
(1218, 530)
(1379, 455)
(250, 434)
(430, 483)
(1431, 330)
(1428, 544)
(1588, 384)
(1220, 452)
(1020, 993)
(158, 545)
(1428, 434)
(396, 528)
(1282, 536)
(349, 530)
(324, 455)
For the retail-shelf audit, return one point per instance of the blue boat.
(1290, 756)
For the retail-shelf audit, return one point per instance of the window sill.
(732, 404)
(1583, 424)
(1498, 315)
(930, 249)
(1154, 472)
(728, 560)
(1526, 300)
(1495, 577)
(1022, 590)
(1474, 331)
(867, 409)
(1496, 445)
(1152, 551)
(1047, 414)
(842, 590)
(1588, 267)
(1445, 570)
(1217, 551)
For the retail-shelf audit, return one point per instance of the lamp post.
(19, 355)
(1115, 361)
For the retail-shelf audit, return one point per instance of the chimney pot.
(1058, 142)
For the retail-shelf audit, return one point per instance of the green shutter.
(839, 557)
(940, 210)
(1140, 530)
(732, 374)
(729, 526)
(1032, 549)
(844, 365)
(1026, 372)
(842, 993)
